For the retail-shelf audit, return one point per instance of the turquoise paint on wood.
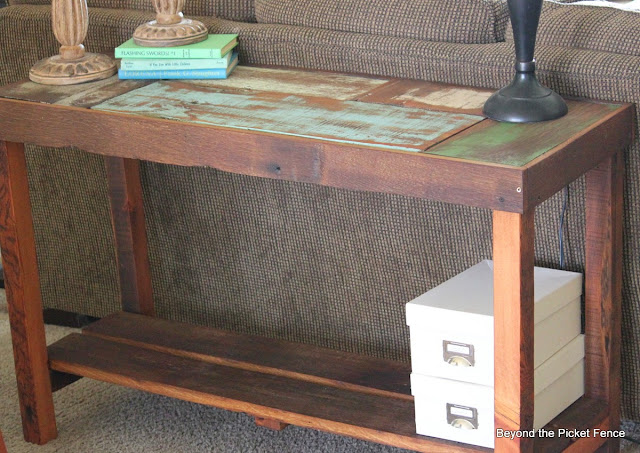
(379, 125)
(495, 149)
(495, 144)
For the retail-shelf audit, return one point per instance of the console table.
(405, 137)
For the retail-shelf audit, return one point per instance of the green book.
(215, 46)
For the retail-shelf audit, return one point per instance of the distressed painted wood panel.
(264, 155)
(352, 122)
(295, 81)
(434, 96)
(81, 95)
(518, 144)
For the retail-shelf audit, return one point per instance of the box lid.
(545, 375)
(558, 364)
(467, 298)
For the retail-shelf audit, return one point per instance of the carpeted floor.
(94, 417)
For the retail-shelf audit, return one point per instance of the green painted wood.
(377, 125)
(518, 144)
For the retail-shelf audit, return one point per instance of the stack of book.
(212, 58)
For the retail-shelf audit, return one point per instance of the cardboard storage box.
(451, 326)
(464, 412)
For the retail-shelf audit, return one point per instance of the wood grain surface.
(305, 82)
(365, 416)
(513, 236)
(592, 443)
(179, 373)
(81, 95)
(565, 163)
(517, 144)
(294, 81)
(434, 96)
(127, 217)
(270, 423)
(22, 286)
(266, 355)
(491, 181)
(264, 155)
(318, 118)
(603, 285)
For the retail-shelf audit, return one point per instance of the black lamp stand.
(525, 100)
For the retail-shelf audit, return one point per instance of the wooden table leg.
(23, 297)
(603, 286)
(127, 215)
(3, 447)
(513, 236)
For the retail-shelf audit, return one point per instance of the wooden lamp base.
(57, 70)
(157, 34)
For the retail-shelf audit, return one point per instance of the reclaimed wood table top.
(379, 134)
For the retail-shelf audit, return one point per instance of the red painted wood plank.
(603, 285)
(24, 302)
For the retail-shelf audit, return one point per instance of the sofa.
(316, 264)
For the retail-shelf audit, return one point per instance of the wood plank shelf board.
(292, 383)
(266, 355)
(365, 416)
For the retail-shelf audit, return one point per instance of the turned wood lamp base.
(70, 20)
(179, 33)
(57, 70)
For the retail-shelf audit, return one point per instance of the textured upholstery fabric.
(242, 253)
(241, 10)
(471, 21)
(598, 28)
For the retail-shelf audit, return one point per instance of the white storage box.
(464, 412)
(451, 326)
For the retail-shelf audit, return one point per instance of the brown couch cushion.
(466, 21)
(601, 28)
(240, 10)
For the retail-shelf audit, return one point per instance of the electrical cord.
(561, 227)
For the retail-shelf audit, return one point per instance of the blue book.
(216, 73)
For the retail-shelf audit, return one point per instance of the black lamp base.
(525, 100)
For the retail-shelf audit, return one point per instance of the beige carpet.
(94, 417)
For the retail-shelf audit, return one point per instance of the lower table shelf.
(292, 383)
